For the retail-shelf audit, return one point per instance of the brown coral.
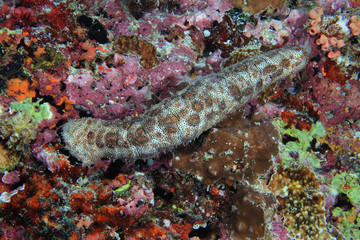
(250, 214)
(301, 203)
(237, 149)
(138, 46)
(256, 6)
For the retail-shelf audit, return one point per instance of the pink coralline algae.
(345, 101)
(139, 201)
(121, 91)
(10, 177)
(251, 176)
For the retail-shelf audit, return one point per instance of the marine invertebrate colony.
(184, 116)
(19, 129)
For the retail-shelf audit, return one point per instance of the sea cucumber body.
(185, 115)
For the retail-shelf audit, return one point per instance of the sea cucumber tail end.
(75, 132)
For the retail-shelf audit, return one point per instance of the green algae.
(348, 223)
(302, 143)
(31, 111)
(121, 190)
(10, 32)
(20, 129)
(349, 184)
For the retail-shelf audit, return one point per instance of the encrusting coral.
(256, 6)
(136, 45)
(184, 116)
(301, 203)
(229, 153)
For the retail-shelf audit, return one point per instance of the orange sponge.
(20, 89)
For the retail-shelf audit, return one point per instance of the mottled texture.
(185, 115)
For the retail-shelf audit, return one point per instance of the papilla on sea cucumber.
(184, 116)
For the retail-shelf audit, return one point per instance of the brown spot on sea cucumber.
(155, 111)
(277, 73)
(91, 138)
(111, 139)
(227, 74)
(167, 119)
(222, 105)
(177, 102)
(209, 101)
(138, 137)
(285, 63)
(209, 115)
(242, 67)
(158, 135)
(183, 112)
(221, 89)
(189, 95)
(149, 124)
(247, 91)
(171, 130)
(99, 139)
(117, 123)
(193, 120)
(269, 69)
(197, 106)
(235, 92)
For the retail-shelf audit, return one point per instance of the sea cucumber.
(185, 115)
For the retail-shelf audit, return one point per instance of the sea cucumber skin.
(184, 116)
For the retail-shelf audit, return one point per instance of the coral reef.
(293, 174)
